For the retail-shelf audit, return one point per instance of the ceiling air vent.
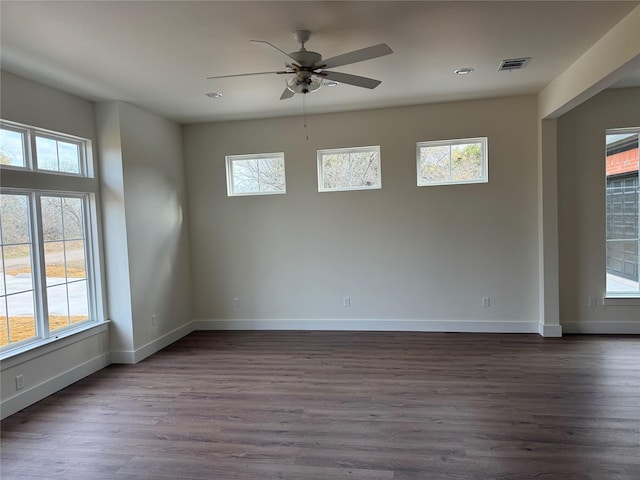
(514, 64)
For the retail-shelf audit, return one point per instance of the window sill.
(620, 301)
(42, 347)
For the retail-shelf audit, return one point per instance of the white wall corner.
(135, 356)
(123, 356)
(162, 342)
(36, 393)
(548, 240)
(549, 330)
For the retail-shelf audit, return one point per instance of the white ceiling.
(158, 54)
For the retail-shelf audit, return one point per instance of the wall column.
(548, 281)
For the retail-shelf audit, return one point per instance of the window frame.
(621, 295)
(30, 136)
(82, 157)
(484, 146)
(348, 151)
(231, 159)
(38, 183)
(26, 145)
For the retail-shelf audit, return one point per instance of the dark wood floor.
(329, 405)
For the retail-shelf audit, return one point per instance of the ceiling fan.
(308, 69)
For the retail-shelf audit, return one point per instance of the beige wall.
(401, 253)
(582, 210)
(157, 223)
(146, 227)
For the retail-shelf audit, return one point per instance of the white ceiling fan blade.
(286, 94)
(356, 56)
(249, 74)
(351, 79)
(273, 50)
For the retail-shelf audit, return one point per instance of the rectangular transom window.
(257, 174)
(41, 150)
(623, 212)
(446, 162)
(355, 168)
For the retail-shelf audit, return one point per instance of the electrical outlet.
(19, 382)
(236, 302)
(154, 319)
(346, 301)
(486, 302)
(592, 301)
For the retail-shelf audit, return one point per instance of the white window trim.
(26, 145)
(30, 135)
(230, 159)
(348, 150)
(28, 181)
(483, 141)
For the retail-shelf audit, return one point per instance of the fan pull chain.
(304, 113)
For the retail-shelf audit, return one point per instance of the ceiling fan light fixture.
(304, 85)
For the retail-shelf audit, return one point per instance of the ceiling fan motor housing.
(306, 59)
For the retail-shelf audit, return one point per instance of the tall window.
(47, 236)
(355, 168)
(623, 212)
(258, 174)
(447, 162)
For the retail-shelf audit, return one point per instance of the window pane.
(434, 163)
(623, 213)
(75, 260)
(4, 325)
(69, 157)
(12, 148)
(18, 276)
(65, 261)
(51, 208)
(466, 162)
(364, 169)
(57, 155)
(78, 305)
(58, 307)
(22, 323)
(245, 176)
(14, 216)
(3, 290)
(72, 218)
(54, 260)
(17, 320)
(335, 171)
(271, 174)
(47, 154)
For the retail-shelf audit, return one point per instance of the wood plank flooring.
(344, 405)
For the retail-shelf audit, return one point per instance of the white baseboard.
(36, 393)
(134, 356)
(549, 330)
(603, 327)
(385, 325)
